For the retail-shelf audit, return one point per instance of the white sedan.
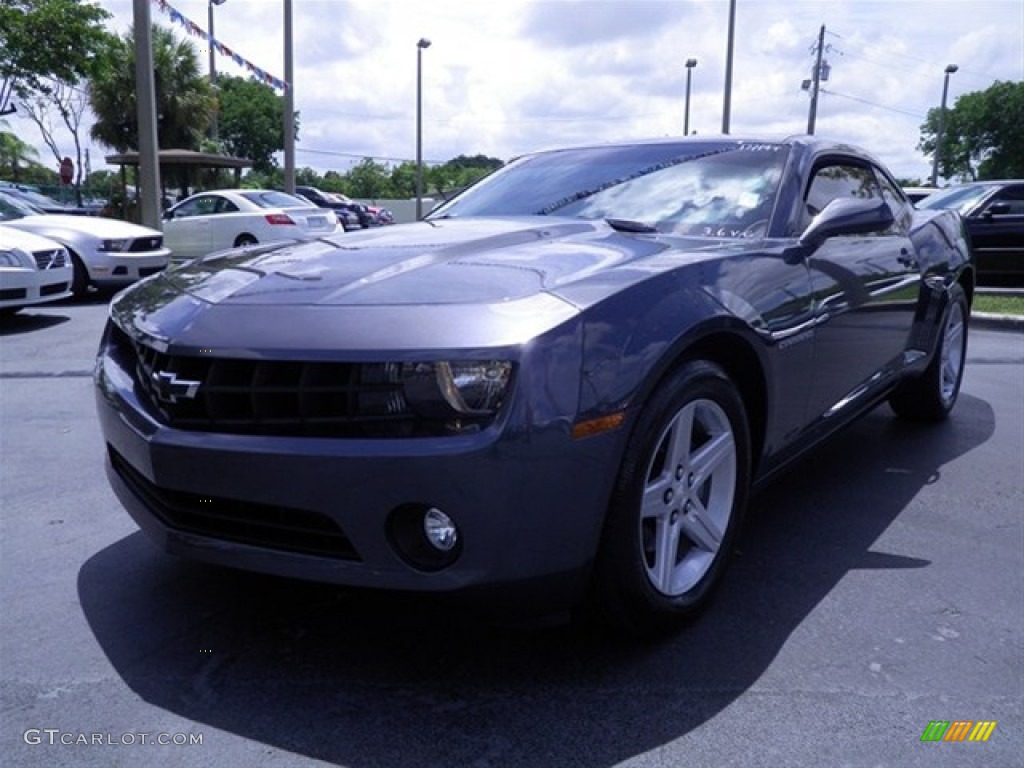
(106, 253)
(33, 270)
(230, 218)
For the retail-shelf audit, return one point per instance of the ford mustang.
(562, 385)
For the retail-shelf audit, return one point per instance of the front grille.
(51, 259)
(272, 397)
(141, 244)
(13, 293)
(147, 271)
(260, 525)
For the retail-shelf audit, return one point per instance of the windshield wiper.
(628, 225)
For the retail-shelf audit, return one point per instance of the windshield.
(961, 199)
(706, 188)
(36, 198)
(12, 208)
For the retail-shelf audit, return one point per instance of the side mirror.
(848, 216)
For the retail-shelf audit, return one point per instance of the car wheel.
(244, 240)
(932, 395)
(677, 504)
(79, 277)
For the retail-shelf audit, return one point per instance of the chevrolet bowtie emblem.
(169, 387)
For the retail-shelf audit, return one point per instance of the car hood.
(469, 261)
(90, 225)
(11, 237)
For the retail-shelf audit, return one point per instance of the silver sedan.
(107, 253)
(230, 218)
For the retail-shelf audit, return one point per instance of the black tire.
(932, 395)
(693, 510)
(79, 278)
(243, 240)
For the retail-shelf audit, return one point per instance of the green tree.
(369, 179)
(251, 120)
(983, 136)
(46, 40)
(458, 173)
(307, 177)
(15, 155)
(184, 98)
(403, 181)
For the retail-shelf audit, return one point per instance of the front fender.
(630, 341)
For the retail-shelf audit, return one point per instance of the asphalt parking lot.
(878, 587)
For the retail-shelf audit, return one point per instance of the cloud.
(504, 78)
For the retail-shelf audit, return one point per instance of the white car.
(33, 270)
(230, 218)
(107, 253)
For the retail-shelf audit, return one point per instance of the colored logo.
(958, 730)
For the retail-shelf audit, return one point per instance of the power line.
(872, 103)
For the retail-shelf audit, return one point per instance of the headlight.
(116, 246)
(14, 258)
(473, 388)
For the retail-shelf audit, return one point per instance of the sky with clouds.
(504, 78)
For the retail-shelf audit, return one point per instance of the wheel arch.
(735, 355)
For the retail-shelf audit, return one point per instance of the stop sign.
(67, 170)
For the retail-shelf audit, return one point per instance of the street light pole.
(950, 69)
(727, 100)
(690, 64)
(423, 43)
(213, 61)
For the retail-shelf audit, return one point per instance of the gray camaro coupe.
(561, 386)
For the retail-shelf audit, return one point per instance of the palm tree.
(184, 98)
(14, 153)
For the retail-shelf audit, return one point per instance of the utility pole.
(289, 102)
(816, 82)
(145, 87)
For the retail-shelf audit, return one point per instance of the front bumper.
(110, 269)
(25, 287)
(529, 500)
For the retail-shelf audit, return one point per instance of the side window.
(199, 206)
(834, 181)
(225, 206)
(1009, 202)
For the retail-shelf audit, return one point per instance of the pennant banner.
(195, 30)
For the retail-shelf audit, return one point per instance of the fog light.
(424, 536)
(440, 529)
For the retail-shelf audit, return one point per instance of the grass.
(999, 305)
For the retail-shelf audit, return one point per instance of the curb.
(997, 322)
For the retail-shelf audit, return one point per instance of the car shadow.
(28, 320)
(363, 679)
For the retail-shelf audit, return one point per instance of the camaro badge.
(169, 387)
